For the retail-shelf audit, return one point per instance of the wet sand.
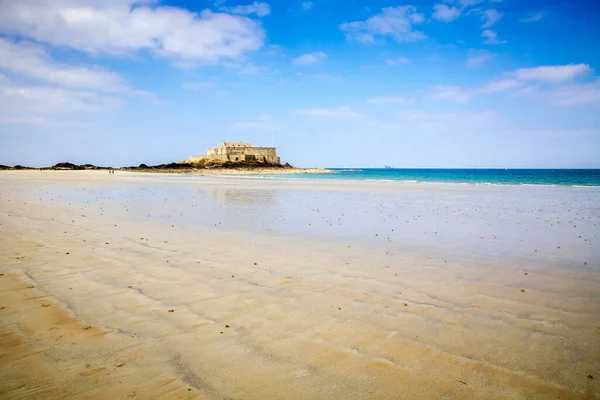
(164, 287)
(237, 171)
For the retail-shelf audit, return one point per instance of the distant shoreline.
(229, 168)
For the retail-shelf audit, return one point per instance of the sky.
(331, 83)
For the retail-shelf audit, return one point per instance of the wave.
(541, 184)
(358, 175)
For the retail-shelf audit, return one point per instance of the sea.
(561, 177)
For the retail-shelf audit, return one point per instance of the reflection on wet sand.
(257, 197)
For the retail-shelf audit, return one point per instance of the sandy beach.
(221, 287)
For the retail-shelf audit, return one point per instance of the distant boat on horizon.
(387, 167)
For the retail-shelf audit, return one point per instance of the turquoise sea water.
(568, 177)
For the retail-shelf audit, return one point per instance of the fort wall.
(238, 151)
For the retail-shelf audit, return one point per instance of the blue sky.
(448, 83)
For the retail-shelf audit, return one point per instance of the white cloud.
(308, 5)
(491, 37)
(247, 68)
(556, 73)
(458, 94)
(250, 68)
(553, 84)
(125, 26)
(445, 13)
(462, 94)
(395, 22)
(198, 86)
(538, 16)
(311, 58)
(476, 58)
(258, 8)
(389, 100)
(568, 95)
(32, 61)
(489, 17)
(392, 62)
(497, 86)
(21, 99)
(40, 85)
(23, 120)
(342, 111)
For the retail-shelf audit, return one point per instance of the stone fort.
(238, 151)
